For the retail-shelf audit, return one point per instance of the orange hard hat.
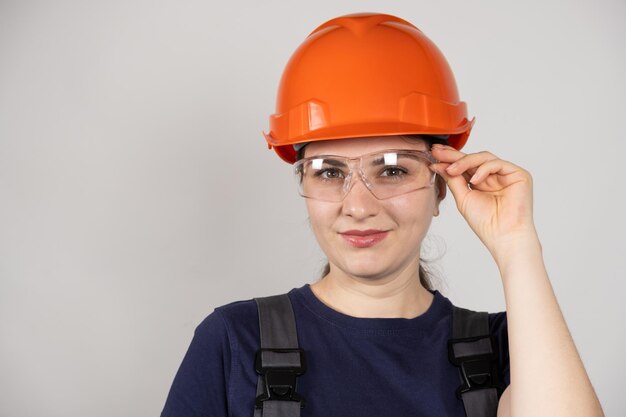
(366, 74)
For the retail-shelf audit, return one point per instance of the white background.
(137, 192)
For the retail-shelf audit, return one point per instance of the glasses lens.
(322, 178)
(387, 174)
(397, 172)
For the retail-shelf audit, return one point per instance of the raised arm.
(547, 375)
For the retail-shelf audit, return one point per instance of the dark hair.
(426, 278)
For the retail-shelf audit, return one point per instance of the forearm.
(547, 375)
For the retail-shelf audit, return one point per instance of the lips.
(363, 238)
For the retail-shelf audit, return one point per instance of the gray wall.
(137, 192)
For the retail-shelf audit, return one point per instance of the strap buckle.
(476, 359)
(280, 381)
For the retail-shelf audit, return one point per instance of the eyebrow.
(381, 161)
(317, 162)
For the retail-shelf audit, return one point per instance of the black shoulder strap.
(279, 361)
(473, 350)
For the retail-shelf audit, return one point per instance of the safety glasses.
(386, 174)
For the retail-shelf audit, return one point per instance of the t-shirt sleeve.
(499, 328)
(200, 385)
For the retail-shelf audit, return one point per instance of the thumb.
(457, 184)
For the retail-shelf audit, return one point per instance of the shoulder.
(498, 323)
(498, 328)
(200, 386)
(237, 310)
(497, 320)
(237, 317)
(226, 320)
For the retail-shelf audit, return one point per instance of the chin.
(366, 268)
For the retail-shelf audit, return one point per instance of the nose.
(359, 202)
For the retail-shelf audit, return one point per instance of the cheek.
(320, 215)
(413, 208)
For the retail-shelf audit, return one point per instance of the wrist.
(515, 249)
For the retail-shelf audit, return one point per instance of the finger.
(445, 153)
(499, 167)
(470, 162)
(458, 185)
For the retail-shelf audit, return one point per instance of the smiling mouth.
(363, 238)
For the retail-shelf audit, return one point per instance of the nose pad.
(365, 181)
(349, 183)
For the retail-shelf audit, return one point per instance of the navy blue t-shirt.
(356, 366)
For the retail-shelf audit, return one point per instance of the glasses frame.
(350, 163)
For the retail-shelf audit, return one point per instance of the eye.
(330, 173)
(393, 172)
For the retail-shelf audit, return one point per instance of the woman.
(368, 113)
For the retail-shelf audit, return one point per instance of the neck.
(399, 296)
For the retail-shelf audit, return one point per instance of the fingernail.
(451, 167)
(437, 146)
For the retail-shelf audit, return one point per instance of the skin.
(495, 198)
(379, 281)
